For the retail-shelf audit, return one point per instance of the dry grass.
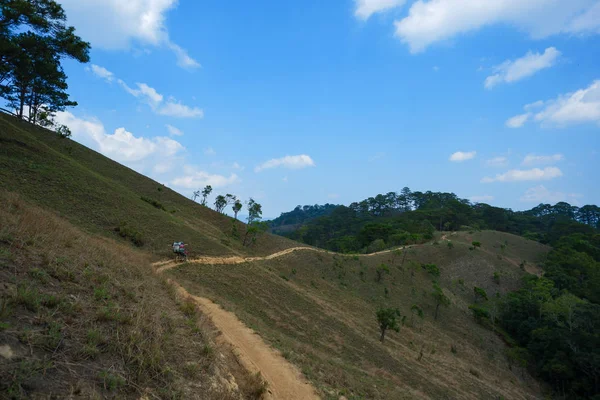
(86, 317)
(322, 318)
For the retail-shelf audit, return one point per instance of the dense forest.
(394, 219)
(551, 324)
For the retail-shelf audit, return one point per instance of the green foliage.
(128, 232)
(480, 313)
(153, 202)
(237, 207)
(440, 299)
(479, 293)
(496, 277)
(388, 319)
(431, 269)
(476, 244)
(450, 245)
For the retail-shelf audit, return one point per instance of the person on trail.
(180, 250)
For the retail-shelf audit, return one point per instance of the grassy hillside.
(82, 304)
(100, 195)
(83, 317)
(319, 310)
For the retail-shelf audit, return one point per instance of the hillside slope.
(101, 195)
(319, 308)
(82, 317)
(316, 308)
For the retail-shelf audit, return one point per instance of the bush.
(155, 203)
(432, 269)
(476, 244)
(127, 232)
(479, 313)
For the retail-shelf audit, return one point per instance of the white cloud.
(122, 146)
(173, 131)
(170, 108)
(540, 194)
(578, 107)
(431, 21)
(535, 174)
(101, 72)
(366, 8)
(512, 71)
(582, 106)
(291, 162)
(175, 109)
(481, 199)
(518, 120)
(194, 179)
(497, 162)
(460, 156)
(130, 22)
(237, 166)
(532, 159)
(209, 151)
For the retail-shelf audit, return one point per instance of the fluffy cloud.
(518, 120)
(512, 71)
(481, 199)
(366, 8)
(432, 21)
(291, 162)
(497, 162)
(582, 106)
(131, 22)
(101, 72)
(173, 131)
(145, 92)
(460, 156)
(194, 179)
(122, 145)
(532, 159)
(535, 174)
(539, 194)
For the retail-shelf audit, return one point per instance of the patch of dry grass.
(86, 317)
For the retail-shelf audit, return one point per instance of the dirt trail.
(284, 380)
(166, 265)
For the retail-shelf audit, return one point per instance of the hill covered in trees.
(550, 323)
(393, 219)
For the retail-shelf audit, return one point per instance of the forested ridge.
(393, 219)
(551, 324)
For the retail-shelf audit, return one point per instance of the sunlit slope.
(319, 310)
(101, 195)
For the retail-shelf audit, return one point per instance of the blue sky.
(313, 102)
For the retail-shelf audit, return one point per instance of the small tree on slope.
(388, 319)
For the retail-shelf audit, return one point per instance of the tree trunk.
(382, 338)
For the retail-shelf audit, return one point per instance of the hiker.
(180, 250)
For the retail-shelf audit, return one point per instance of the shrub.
(496, 278)
(476, 244)
(153, 202)
(127, 232)
(432, 269)
(450, 245)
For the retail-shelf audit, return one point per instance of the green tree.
(205, 193)
(254, 226)
(480, 294)
(237, 207)
(220, 203)
(440, 299)
(388, 319)
(33, 40)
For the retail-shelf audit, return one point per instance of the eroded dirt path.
(162, 266)
(283, 379)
